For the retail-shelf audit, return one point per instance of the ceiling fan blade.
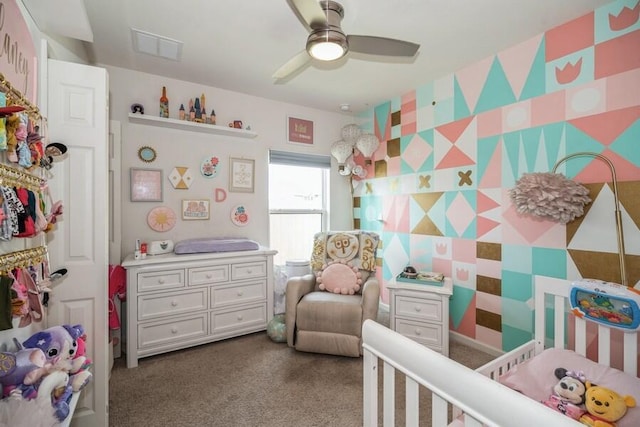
(301, 59)
(381, 46)
(309, 12)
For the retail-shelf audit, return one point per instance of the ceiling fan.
(327, 41)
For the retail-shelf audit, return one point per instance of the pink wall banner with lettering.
(299, 131)
(17, 52)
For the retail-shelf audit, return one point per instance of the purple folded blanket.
(214, 244)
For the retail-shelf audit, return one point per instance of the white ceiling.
(238, 44)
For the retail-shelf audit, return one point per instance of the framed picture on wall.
(299, 131)
(146, 185)
(241, 175)
(195, 209)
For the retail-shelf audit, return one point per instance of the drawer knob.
(240, 293)
(161, 281)
(249, 271)
(174, 330)
(239, 317)
(209, 276)
(417, 331)
(174, 303)
(418, 308)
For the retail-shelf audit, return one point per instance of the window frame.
(311, 161)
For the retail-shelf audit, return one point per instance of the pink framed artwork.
(299, 131)
(146, 185)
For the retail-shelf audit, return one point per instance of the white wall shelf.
(191, 126)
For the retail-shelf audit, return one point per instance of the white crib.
(467, 390)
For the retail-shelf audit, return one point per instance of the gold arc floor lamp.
(553, 196)
(614, 181)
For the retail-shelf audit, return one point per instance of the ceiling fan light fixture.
(327, 45)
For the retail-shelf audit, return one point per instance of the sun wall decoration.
(161, 219)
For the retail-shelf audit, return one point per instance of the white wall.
(184, 148)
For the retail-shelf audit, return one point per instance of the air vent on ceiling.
(153, 44)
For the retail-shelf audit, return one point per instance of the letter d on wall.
(220, 195)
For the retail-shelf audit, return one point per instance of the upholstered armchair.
(325, 310)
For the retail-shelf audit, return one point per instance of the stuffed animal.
(25, 367)
(604, 406)
(60, 345)
(27, 375)
(568, 393)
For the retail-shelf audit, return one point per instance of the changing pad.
(214, 244)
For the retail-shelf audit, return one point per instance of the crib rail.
(551, 294)
(500, 366)
(449, 382)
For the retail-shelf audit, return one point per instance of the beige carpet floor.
(251, 381)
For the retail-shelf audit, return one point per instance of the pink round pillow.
(339, 277)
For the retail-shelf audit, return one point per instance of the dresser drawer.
(427, 334)
(171, 330)
(232, 320)
(207, 275)
(170, 304)
(248, 270)
(237, 294)
(160, 280)
(419, 308)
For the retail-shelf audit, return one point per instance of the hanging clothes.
(6, 313)
(117, 289)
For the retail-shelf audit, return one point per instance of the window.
(298, 202)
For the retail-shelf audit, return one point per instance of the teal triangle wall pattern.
(536, 80)
(460, 107)
(382, 117)
(496, 91)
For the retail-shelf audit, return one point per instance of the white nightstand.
(421, 312)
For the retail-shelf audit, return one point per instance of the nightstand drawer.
(159, 305)
(171, 330)
(419, 308)
(248, 270)
(425, 333)
(207, 275)
(160, 280)
(237, 294)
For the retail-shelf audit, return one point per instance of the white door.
(78, 117)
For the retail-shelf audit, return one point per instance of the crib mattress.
(535, 378)
(214, 244)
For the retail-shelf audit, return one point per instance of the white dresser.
(177, 301)
(421, 312)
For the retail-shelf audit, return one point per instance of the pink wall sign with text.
(300, 131)
(17, 52)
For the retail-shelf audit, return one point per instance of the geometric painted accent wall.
(453, 148)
